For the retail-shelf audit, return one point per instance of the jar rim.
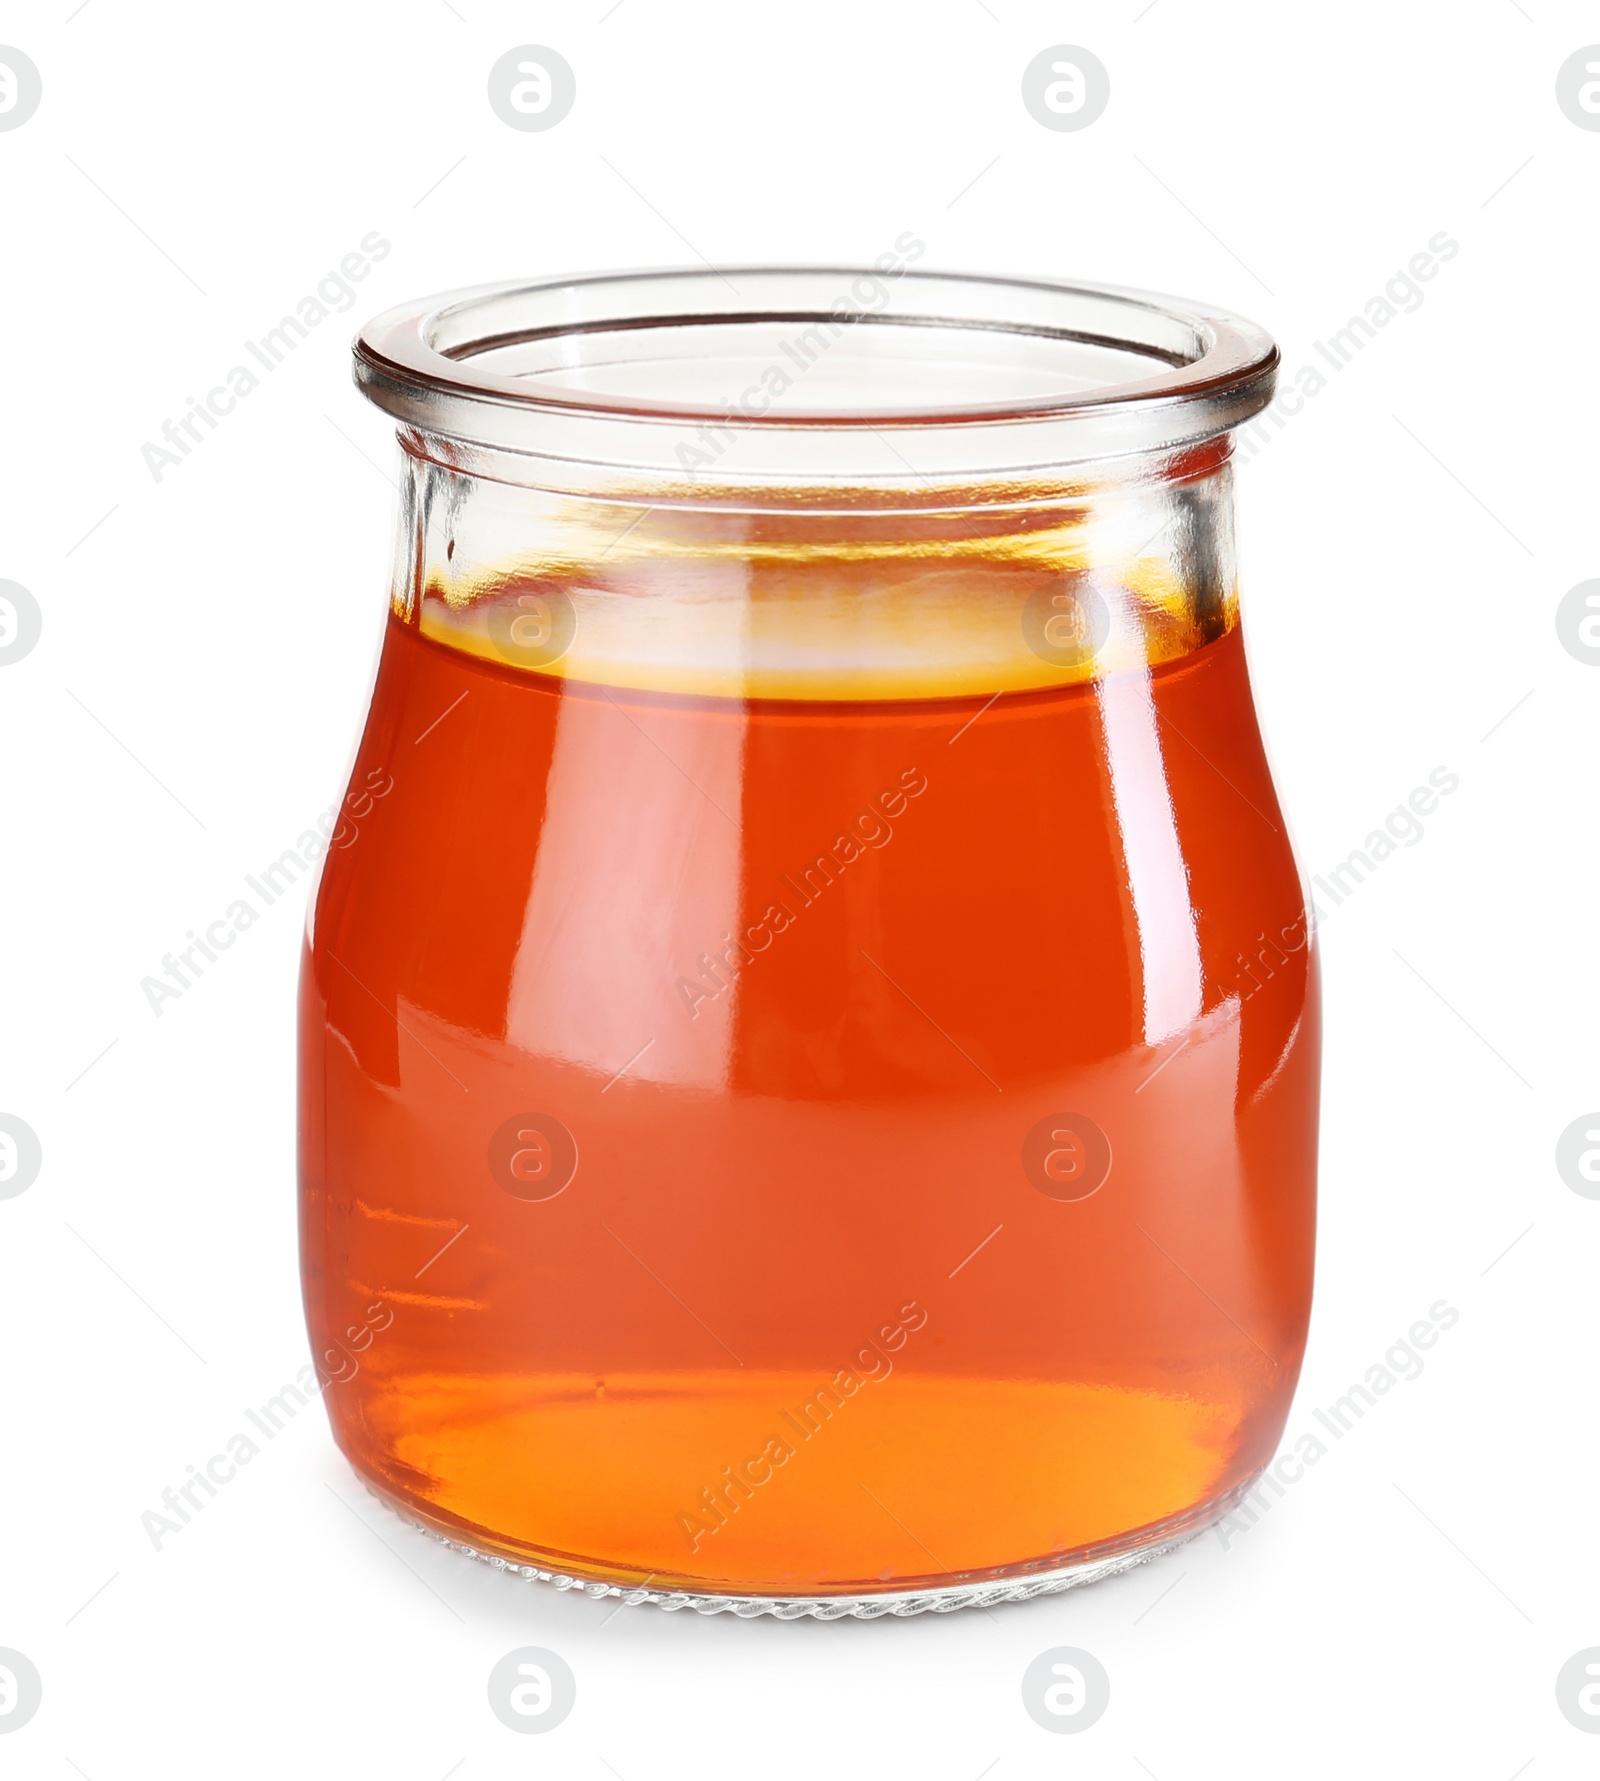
(881, 377)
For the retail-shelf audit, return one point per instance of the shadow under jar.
(809, 1035)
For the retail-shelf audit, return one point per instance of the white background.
(192, 172)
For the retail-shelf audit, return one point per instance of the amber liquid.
(800, 979)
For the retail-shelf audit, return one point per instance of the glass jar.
(809, 1027)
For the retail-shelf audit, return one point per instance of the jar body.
(792, 1115)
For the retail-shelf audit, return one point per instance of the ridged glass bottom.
(1026, 1582)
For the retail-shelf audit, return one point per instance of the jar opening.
(884, 376)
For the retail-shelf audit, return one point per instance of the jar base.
(1020, 1583)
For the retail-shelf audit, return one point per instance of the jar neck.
(839, 594)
